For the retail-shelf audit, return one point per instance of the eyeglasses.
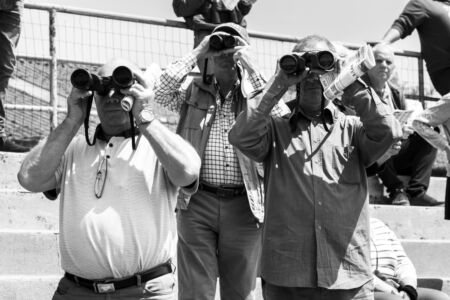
(380, 61)
(100, 178)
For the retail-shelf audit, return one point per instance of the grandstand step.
(25, 210)
(27, 287)
(414, 222)
(430, 258)
(9, 166)
(29, 253)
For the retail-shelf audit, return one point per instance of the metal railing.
(55, 40)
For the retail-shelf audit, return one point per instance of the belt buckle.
(104, 288)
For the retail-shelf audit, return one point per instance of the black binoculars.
(295, 63)
(221, 41)
(121, 78)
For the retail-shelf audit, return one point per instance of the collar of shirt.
(330, 113)
(231, 92)
(100, 134)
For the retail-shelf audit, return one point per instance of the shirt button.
(319, 227)
(320, 202)
(111, 144)
(107, 156)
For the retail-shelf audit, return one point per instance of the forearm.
(250, 133)
(37, 173)
(169, 93)
(177, 156)
(391, 36)
(380, 128)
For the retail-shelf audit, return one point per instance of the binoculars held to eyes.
(121, 78)
(295, 63)
(221, 41)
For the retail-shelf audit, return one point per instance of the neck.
(226, 81)
(378, 85)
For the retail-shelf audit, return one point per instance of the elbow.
(26, 182)
(191, 171)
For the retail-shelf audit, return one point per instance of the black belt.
(109, 286)
(221, 190)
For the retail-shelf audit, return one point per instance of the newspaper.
(354, 67)
(404, 116)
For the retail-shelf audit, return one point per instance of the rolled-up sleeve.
(412, 16)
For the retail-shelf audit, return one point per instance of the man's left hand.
(246, 58)
(141, 92)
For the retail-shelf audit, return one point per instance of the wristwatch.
(145, 117)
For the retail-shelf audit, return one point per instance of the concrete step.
(25, 287)
(29, 253)
(9, 166)
(414, 222)
(431, 258)
(24, 210)
(436, 188)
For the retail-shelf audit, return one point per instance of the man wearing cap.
(117, 212)
(316, 231)
(219, 227)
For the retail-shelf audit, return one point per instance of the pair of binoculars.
(121, 78)
(222, 41)
(295, 63)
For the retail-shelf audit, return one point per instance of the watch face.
(146, 116)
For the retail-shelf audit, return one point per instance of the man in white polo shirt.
(117, 212)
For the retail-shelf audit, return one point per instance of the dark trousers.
(275, 292)
(10, 17)
(217, 237)
(415, 159)
(441, 81)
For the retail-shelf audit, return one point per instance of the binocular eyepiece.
(121, 78)
(221, 41)
(296, 63)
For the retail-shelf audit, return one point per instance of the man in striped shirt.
(219, 233)
(394, 274)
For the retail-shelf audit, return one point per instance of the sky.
(347, 21)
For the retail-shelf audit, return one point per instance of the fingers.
(141, 79)
(241, 41)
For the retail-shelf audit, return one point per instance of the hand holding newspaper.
(355, 66)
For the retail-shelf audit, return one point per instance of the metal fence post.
(421, 81)
(53, 70)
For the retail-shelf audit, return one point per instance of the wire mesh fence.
(56, 40)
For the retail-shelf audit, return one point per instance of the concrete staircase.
(29, 254)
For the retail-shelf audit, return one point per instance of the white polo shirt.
(132, 226)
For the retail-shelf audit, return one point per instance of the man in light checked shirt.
(220, 231)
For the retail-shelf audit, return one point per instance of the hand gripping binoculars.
(221, 41)
(296, 63)
(121, 78)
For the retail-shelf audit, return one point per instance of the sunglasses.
(100, 178)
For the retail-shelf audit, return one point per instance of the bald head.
(108, 68)
(384, 67)
(314, 43)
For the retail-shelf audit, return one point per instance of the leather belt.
(112, 285)
(221, 190)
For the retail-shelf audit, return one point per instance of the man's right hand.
(77, 105)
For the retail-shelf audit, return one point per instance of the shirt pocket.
(197, 115)
(341, 164)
